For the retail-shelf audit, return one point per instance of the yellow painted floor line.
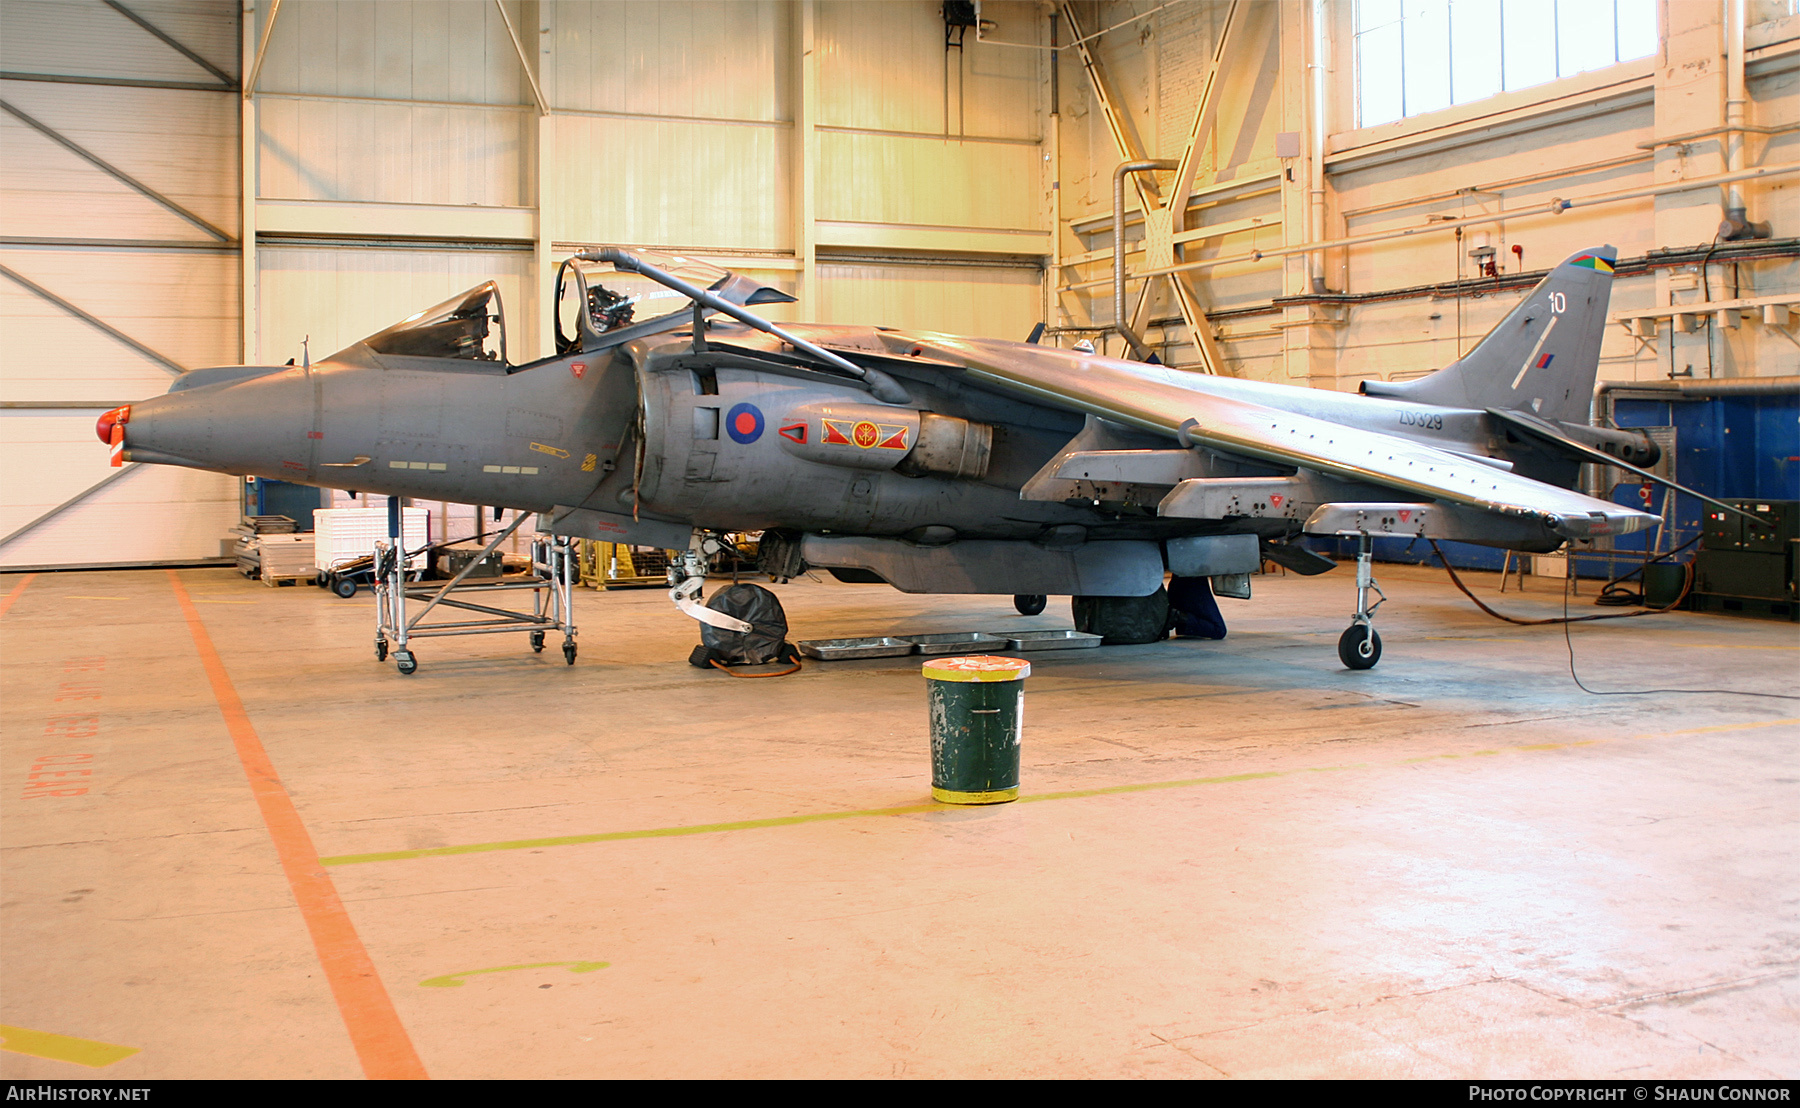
(455, 980)
(914, 809)
(1720, 727)
(62, 1048)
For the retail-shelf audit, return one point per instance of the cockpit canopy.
(470, 326)
(599, 306)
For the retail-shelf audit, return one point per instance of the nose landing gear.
(1359, 647)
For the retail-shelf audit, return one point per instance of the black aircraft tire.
(1359, 647)
(1123, 620)
(1028, 605)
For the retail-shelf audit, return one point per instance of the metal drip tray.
(1051, 640)
(831, 650)
(954, 642)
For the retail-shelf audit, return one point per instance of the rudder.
(1542, 358)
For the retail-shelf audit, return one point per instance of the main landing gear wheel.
(537, 642)
(406, 663)
(569, 651)
(381, 650)
(1123, 620)
(344, 587)
(1359, 647)
(1030, 605)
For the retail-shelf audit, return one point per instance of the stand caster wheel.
(1359, 647)
(344, 587)
(1030, 605)
(405, 662)
(537, 642)
(381, 650)
(569, 651)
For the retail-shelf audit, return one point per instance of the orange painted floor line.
(6, 605)
(381, 1041)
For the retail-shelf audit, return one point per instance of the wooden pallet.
(277, 580)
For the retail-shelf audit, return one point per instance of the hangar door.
(119, 267)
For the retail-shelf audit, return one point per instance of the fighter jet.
(938, 464)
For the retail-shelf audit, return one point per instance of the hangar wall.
(118, 210)
(1637, 125)
(856, 154)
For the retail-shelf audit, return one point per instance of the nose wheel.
(1359, 647)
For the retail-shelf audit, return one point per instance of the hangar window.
(1417, 56)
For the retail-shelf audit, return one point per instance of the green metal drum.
(977, 713)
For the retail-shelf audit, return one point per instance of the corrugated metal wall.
(118, 254)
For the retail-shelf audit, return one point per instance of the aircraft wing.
(1154, 399)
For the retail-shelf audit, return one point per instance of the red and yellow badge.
(864, 434)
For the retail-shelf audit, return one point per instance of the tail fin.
(1541, 358)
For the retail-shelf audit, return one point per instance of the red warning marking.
(794, 432)
(836, 432)
(579, 369)
(315, 434)
(865, 434)
(894, 441)
(1405, 515)
(1275, 499)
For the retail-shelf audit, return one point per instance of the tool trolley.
(551, 581)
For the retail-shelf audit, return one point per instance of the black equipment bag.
(766, 641)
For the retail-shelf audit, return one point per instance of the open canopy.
(599, 306)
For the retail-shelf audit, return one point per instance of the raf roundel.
(744, 423)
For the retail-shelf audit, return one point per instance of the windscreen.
(470, 326)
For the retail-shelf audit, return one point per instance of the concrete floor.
(1232, 859)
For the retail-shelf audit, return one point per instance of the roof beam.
(225, 78)
(129, 467)
(94, 321)
(114, 171)
(262, 51)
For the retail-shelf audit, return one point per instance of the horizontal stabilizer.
(1544, 431)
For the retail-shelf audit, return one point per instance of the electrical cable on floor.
(1687, 584)
(716, 664)
(1567, 619)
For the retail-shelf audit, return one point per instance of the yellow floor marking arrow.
(62, 1048)
(453, 980)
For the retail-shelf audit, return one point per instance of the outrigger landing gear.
(1359, 647)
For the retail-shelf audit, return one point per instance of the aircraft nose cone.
(256, 426)
(104, 427)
